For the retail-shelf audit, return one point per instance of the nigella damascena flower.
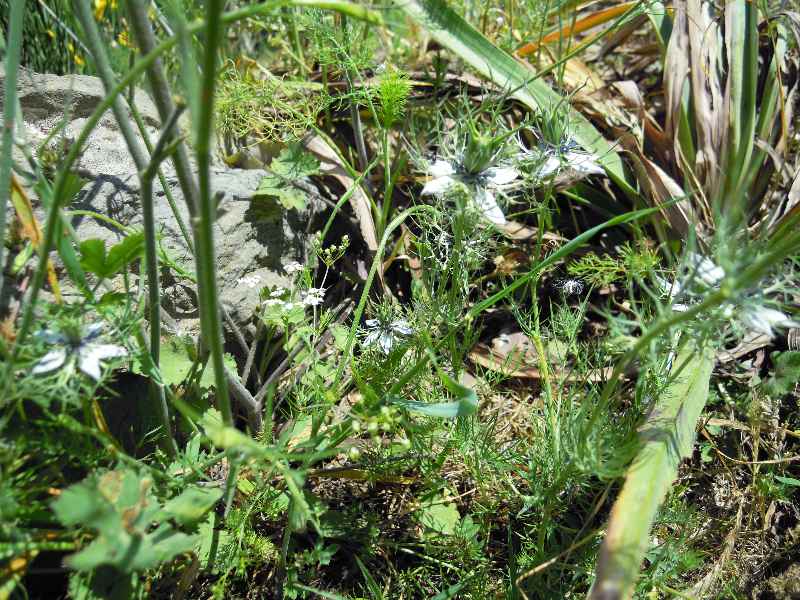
(703, 275)
(482, 185)
(568, 156)
(83, 347)
(385, 334)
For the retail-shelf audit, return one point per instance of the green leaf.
(292, 165)
(788, 480)
(440, 517)
(125, 252)
(192, 504)
(120, 507)
(466, 404)
(454, 33)
(93, 256)
(667, 436)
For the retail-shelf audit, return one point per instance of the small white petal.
(48, 336)
(372, 322)
(584, 163)
(371, 338)
(438, 185)
(441, 168)
(488, 206)
(92, 331)
(402, 327)
(50, 362)
(386, 342)
(762, 320)
(89, 357)
(550, 166)
(501, 175)
(706, 269)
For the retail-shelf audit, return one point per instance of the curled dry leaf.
(331, 164)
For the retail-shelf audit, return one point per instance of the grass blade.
(667, 436)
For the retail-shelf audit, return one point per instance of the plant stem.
(146, 169)
(13, 50)
(211, 323)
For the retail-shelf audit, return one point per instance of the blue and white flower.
(482, 186)
(81, 348)
(385, 334)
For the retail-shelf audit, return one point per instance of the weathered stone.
(250, 250)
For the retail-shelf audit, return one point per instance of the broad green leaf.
(93, 256)
(192, 504)
(463, 407)
(120, 507)
(788, 480)
(292, 165)
(440, 517)
(454, 33)
(125, 252)
(667, 436)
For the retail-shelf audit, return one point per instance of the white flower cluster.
(498, 176)
(702, 275)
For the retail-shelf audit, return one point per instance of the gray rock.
(250, 250)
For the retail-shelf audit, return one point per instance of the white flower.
(81, 347)
(277, 292)
(385, 334)
(482, 185)
(568, 156)
(273, 302)
(762, 319)
(570, 287)
(313, 296)
(250, 281)
(294, 267)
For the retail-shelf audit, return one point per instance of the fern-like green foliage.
(393, 90)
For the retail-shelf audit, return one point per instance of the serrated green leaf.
(125, 252)
(293, 164)
(120, 508)
(93, 256)
(440, 517)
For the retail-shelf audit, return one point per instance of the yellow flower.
(122, 38)
(51, 33)
(78, 60)
(71, 48)
(99, 9)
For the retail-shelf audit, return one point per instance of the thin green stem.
(145, 167)
(210, 321)
(13, 50)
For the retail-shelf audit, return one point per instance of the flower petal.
(501, 175)
(90, 355)
(762, 319)
(48, 336)
(50, 362)
(706, 269)
(402, 327)
(550, 166)
(386, 342)
(485, 201)
(438, 185)
(584, 163)
(371, 338)
(372, 322)
(92, 331)
(441, 168)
